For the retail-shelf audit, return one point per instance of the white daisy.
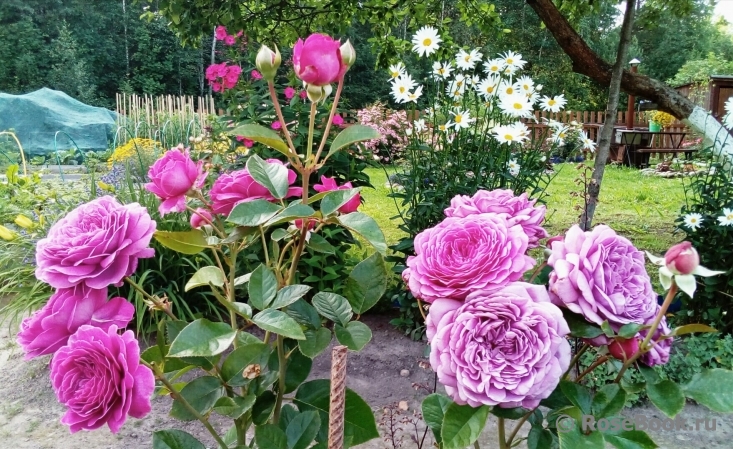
(554, 104)
(516, 105)
(488, 87)
(442, 70)
(419, 125)
(425, 41)
(473, 80)
(588, 144)
(525, 84)
(513, 60)
(727, 218)
(513, 167)
(396, 70)
(401, 87)
(494, 66)
(467, 61)
(413, 96)
(453, 91)
(509, 70)
(508, 134)
(461, 119)
(521, 129)
(506, 88)
(728, 119)
(693, 221)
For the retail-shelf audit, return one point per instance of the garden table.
(639, 145)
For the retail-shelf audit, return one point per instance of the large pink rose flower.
(460, 255)
(97, 244)
(172, 176)
(506, 347)
(601, 276)
(98, 376)
(517, 210)
(317, 60)
(67, 310)
(239, 186)
(328, 184)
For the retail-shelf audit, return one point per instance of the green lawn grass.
(641, 208)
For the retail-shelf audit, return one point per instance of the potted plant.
(659, 120)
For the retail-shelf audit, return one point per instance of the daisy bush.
(472, 127)
(707, 222)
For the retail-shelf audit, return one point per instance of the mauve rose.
(506, 347)
(328, 184)
(172, 176)
(601, 276)
(97, 244)
(49, 328)
(238, 186)
(517, 209)
(200, 217)
(460, 255)
(317, 60)
(682, 258)
(659, 352)
(99, 378)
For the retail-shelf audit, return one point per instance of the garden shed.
(711, 96)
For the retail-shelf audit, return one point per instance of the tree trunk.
(586, 62)
(604, 146)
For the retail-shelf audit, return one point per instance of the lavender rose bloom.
(516, 209)
(172, 176)
(505, 347)
(601, 276)
(659, 353)
(239, 186)
(460, 255)
(98, 376)
(97, 244)
(48, 329)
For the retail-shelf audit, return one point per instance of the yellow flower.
(6, 234)
(23, 221)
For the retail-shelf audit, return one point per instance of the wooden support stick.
(338, 398)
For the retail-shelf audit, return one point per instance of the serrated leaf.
(316, 341)
(321, 245)
(579, 327)
(270, 436)
(355, 335)
(201, 393)
(273, 177)
(202, 338)
(629, 439)
(335, 199)
(288, 295)
(629, 330)
(712, 388)
(234, 407)
(333, 307)
(302, 429)
(666, 396)
(608, 401)
(262, 410)
(259, 133)
(462, 425)
(366, 283)
(294, 211)
(205, 276)
(253, 213)
(539, 438)
(575, 439)
(351, 135)
(262, 287)
(578, 395)
(241, 358)
(513, 413)
(304, 313)
(433, 411)
(184, 242)
(175, 439)
(280, 323)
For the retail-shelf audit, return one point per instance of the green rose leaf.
(184, 242)
(202, 338)
(359, 424)
(262, 287)
(280, 323)
(462, 425)
(630, 329)
(273, 177)
(608, 401)
(263, 135)
(712, 388)
(355, 335)
(539, 438)
(240, 308)
(241, 358)
(690, 328)
(316, 341)
(579, 327)
(270, 436)
(293, 211)
(234, 407)
(629, 439)
(333, 307)
(288, 295)
(253, 213)
(433, 412)
(321, 245)
(201, 393)
(175, 439)
(575, 439)
(262, 410)
(351, 135)
(509, 413)
(304, 313)
(297, 369)
(666, 396)
(205, 276)
(335, 199)
(366, 283)
(578, 395)
(302, 429)
(367, 227)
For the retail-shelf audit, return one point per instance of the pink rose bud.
(682, 258)
(348, 54)
(200, 217)
(267, 62)
(317, 60)
(623, 349)
(171, 177)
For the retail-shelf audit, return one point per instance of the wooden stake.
(338, 398)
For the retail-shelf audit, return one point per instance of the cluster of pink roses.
(223, 76)
(95, 370)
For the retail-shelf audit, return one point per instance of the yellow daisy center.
(508, 137)
(552, 102)
(402, 89)
(467, 58)
(459, 118)
(494, 68)
(510, 90)
(395, 74)
(510, 61)
(490, 89)
(518, 106)
(426, 42)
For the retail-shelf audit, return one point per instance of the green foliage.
(699, 70)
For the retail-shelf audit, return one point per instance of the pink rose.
(215, 71)
(289, 92)
(230, 40)
(517, 210)
(49, 328)
(328, 184)
(256, 75)
(461, 255)
(220, 33)
(682, 258)
(99, 378)
(238, 186)
(200, 217)
(317, 60)
(172, 176)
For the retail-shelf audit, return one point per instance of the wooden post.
(338, 398)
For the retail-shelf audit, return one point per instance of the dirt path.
(29, 412)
